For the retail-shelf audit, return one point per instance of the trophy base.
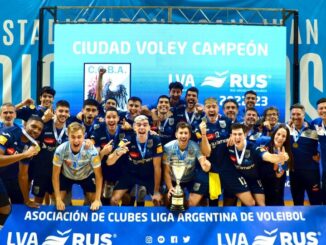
(177, 204)
(177, 208)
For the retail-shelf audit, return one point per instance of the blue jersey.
(265, 169)
(248, 167)
(192, 118)
(27, 111)
(166, 129)
(304, 145)
(141, 166)
(10, 144)
(217, 134)
(41, 164)
(321, 132)
(101, 136)
(190, 156)
(89, 129)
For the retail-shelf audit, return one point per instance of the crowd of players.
(119, 157)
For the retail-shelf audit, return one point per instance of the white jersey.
(76, 166)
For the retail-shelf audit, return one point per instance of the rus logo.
(236, 80)
(61, 238)
(270, 238)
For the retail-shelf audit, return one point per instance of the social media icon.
(161, 239)
(174, 239)
(186, 239)
(148, 239)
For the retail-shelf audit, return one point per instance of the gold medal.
(295, 145)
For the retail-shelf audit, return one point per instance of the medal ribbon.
(63, 130)
(161, 128)
(76, 158)
(30, 138)
(297, 134)
(187, 117)
(142, 152)
(239, 160)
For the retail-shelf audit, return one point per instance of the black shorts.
(88, 184)
(42, 185)
(233, 182)
(13, 190)
(129, 180)
(4, 199)
(195, 186)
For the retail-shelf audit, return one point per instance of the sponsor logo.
(270, 238)
(249, 81)
(161, 239)
(61, 238)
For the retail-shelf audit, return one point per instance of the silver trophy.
(178, 198)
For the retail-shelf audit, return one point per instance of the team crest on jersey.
(247, 153)
(320, 130)
(222, 123)
(197, 116)
(191, 151)
(121, 136)
(171, 121)
(96, 126)
(150, 143)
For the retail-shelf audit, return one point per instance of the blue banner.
(221, 61)
(128, 225)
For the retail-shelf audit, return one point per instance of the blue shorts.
(129, 180)
(88, 184)
(42, 185)
(233, 183)
(4, 199)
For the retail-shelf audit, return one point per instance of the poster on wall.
(114, 80)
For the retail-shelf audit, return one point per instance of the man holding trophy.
(180, 169)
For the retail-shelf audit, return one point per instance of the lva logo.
(269, 238)
(61, 238)
(236, 80)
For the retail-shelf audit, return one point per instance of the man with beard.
(88, 116)
(250, 121)
(165, 123)
(250, 100)
(188, 151)
(213, 133)
(110, 141)
(7, 115)
(175, 92)
(144, 163)
(27, 108)
(190, 114)
(16, 145)
(231, 109)
(74, 164)
(54, 134)
(305, 175)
